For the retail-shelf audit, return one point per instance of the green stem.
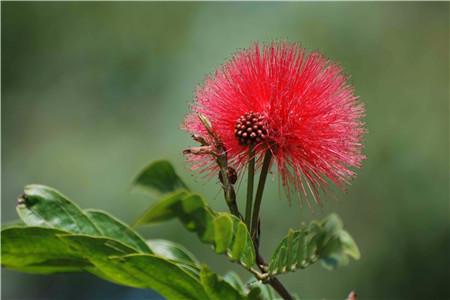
(251, 176)
(229, 193)
(273, 281)
(228, 189)
(260, 191)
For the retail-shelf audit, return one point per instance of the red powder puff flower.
(299, 106)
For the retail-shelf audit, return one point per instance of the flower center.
(251, 128)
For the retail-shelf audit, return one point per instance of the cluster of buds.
(251, 128)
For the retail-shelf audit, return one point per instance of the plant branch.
(251, 176)
(259, 192)
(229, 193)
(220, 154)
(274, 282)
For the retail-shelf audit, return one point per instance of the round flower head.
(278, 98)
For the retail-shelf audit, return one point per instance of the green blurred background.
(92, 92)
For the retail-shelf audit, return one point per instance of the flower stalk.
(251, 176)
(259, 192)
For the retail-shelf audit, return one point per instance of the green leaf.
(159, 177)
(235, 281)
(161, 211)
(223, 230)
(232, 237)
(241, 245)
(196, 216)
(99, 250)
(38, 250)
(120, 264)
(149, 271)
(43, 206)
(117, 230)
(340, 247)
(172, 251)
(324, 240)
(253, 289)
(95, 247)
(227, 233)
(260, 291)
(48, 250)
(216, 287)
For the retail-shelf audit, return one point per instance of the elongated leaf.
(159, 177)
(173, 251)
(148, 271)
(115, 229)
(226, 232)
(217, 288)
(38, 250)
(48, 250)
(110, 259)
(43, 206)
(97, 247)
(99, 250)
(324, 240)
(162, 210)
(232, 237)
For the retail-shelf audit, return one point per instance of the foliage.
(226, 232)
(55, 235)
(324, 240)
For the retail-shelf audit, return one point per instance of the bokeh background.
(92, 92)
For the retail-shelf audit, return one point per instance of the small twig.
(258, 275)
